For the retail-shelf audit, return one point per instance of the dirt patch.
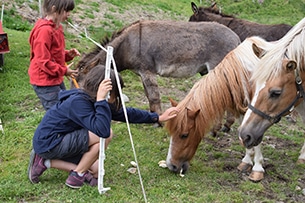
(87, 14)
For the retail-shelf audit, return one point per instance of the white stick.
(40, 9)
(101, 170)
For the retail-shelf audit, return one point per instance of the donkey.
(242, 28)
(165, 48)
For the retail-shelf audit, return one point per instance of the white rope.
(102, 148)
(86, 35)
(127, 122)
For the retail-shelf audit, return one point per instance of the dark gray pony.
(166, 48)
(242, 28)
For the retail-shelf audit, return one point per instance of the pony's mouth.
(184, 168)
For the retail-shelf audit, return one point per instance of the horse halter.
(277, 118)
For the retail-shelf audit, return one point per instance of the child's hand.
(169, 114)
(71, 72)
(73, 52)
(104, 87)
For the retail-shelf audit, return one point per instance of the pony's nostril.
(174, 168)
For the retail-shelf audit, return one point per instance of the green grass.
(212, 177)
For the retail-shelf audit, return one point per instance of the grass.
(213, 176)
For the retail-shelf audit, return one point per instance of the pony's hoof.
(301, 161)
(213, 133)
(244, 167)
(256, 176)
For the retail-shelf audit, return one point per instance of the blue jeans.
(48, 95)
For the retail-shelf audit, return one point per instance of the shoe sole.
(32, 158)
(72, 186)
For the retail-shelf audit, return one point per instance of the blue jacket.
(76, 110)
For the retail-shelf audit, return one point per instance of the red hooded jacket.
(48, 54)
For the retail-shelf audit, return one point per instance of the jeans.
(48, 95)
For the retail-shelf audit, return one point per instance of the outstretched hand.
(169, 114)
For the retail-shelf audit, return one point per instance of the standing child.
(68, 136)
(48, 55)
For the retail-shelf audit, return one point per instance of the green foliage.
(13, 21)
(212, 177)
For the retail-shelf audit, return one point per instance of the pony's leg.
(216, 128)
(246, 163)
(301, 159)
(230, 119)
(292, 117)
(151, 89)
(258, 171)
(301, 111)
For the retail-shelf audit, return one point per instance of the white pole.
(2, 13)
(101, 170)
(40, 9)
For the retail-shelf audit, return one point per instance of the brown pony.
(242, 28)
(226, 88)
(165, 48)
(280, 86)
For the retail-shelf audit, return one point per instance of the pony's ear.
(259, 52)
(173, 102)
(290, 65)
(192, 114)
(194, 8)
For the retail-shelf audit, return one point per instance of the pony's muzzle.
(181, 168)
(248, 140)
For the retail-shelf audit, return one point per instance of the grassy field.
(212, 177)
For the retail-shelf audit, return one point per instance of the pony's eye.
(275, 94)
(184, 136)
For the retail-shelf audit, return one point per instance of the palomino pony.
(226, 88)
(242, 28)
(165, 48)
(279, 87)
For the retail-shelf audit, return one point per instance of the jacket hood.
(65, 94)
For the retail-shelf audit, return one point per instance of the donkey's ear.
(290, 65)
(259, 52)
(194, 8)
(173, 102)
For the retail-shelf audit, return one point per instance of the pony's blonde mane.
(225, 88)
(291, 47)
